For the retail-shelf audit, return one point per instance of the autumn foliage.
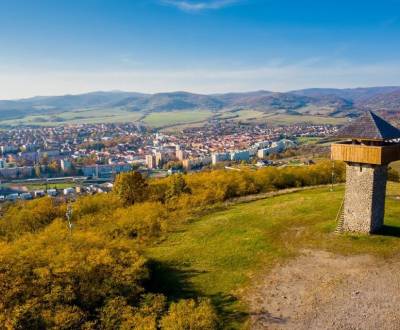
(97, 276)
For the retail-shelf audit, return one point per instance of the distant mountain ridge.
(314, 101)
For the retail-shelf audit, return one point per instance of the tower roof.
(369, 126)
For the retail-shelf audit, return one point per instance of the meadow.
(219, 255)
(160, 119)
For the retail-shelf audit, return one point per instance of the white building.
(262, 153)
(9, 149)
(262, 144)
(26, 196)
(39, 193)
(196, 162)
(241, 155)
(151, 161)
(66, 165)
(68, 191)
(52, 192)
(220, 157)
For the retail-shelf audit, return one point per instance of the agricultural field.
(226, 254)
(160, 119)
(178, 119)
(84, 116)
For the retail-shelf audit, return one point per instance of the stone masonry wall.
(364, 204)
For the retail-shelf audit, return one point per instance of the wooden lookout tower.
(371, 145)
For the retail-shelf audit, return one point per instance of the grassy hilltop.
(221, 254)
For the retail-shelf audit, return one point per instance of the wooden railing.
(376, 155)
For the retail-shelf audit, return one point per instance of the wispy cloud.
(271, 76)
(195, 6)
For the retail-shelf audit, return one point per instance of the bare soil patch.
(320, 290)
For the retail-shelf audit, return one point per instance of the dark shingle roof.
(369, 126)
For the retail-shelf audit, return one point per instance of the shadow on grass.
(170, 281)
(392, 231)
(175, 284)
(225, 305)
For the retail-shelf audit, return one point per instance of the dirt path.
(319, 290)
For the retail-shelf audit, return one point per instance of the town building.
(241, 155)
(160, 159)
(196, 162)
(220, 157)
(151, 161)
(9, 149)
(65, 165)
(263, 153)
(180, 154)
(105, 171)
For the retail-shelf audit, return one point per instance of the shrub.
(190, 315)
(29, 217)
(55, 278)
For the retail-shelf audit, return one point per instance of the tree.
(177, 186)
(131, 187)
(54, 167)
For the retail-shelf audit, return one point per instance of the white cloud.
(187, 5)
(272, 76)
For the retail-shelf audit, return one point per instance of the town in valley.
(75, 159)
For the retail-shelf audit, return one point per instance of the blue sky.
(50, 47)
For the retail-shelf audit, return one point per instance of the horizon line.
(193, 92)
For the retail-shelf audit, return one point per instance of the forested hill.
(328, 102)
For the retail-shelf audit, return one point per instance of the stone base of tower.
(364, 205)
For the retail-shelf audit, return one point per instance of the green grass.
(49, 186)
(249, 115)
(219, 254)
(308, 140)
(160, 119)
(395, 165)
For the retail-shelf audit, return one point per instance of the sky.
(54, 47)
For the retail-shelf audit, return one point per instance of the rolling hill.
(384, 102)
(322, 102)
